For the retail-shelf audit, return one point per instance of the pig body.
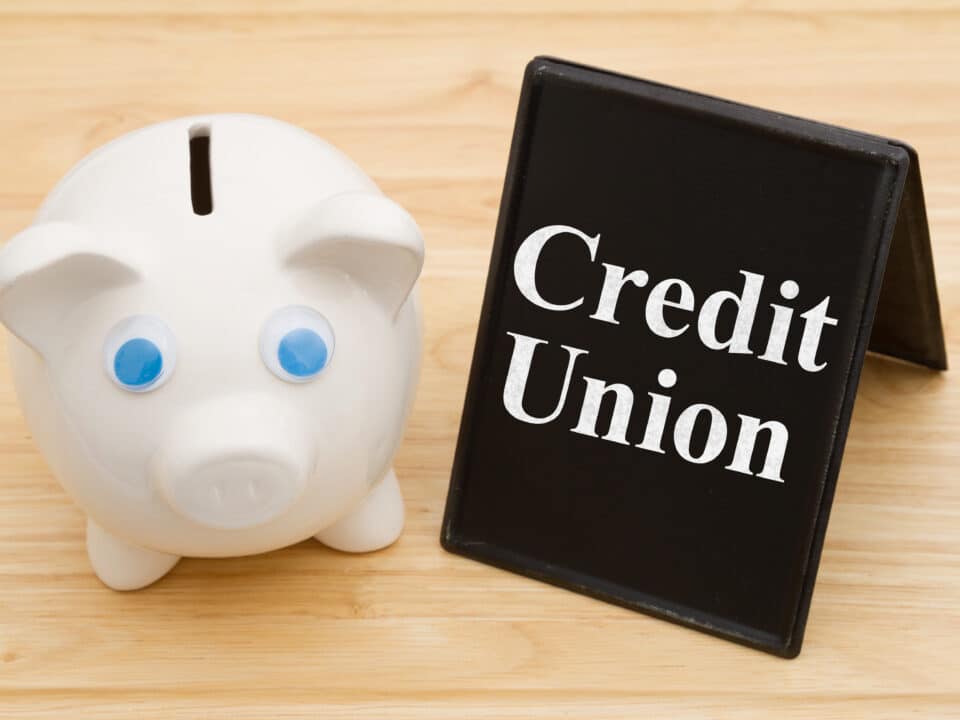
(224, 383)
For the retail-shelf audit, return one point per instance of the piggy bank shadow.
(286, 599)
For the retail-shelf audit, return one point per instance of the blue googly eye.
(296, 343)
(139, 353)
(138, 363)
(302, 352)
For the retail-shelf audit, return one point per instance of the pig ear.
(48, 269)
(368, 236)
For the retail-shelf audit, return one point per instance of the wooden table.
(423, 96)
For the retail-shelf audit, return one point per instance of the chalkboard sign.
(681, 293)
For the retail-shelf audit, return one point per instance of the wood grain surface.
(422, 94)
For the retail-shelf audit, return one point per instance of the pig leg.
(123, 566)
(376, 523)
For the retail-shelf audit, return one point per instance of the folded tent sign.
(697, 279)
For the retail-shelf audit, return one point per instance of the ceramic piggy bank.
(215, 342)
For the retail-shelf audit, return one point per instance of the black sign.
(681, 293)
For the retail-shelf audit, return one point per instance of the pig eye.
(139, 353)
(296, 343)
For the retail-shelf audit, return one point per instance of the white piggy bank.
(216, 342)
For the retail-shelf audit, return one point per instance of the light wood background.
(423, 95)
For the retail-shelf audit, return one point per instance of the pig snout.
(233, 463)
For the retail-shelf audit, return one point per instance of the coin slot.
(201, 188)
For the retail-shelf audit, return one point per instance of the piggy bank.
(215, 340)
